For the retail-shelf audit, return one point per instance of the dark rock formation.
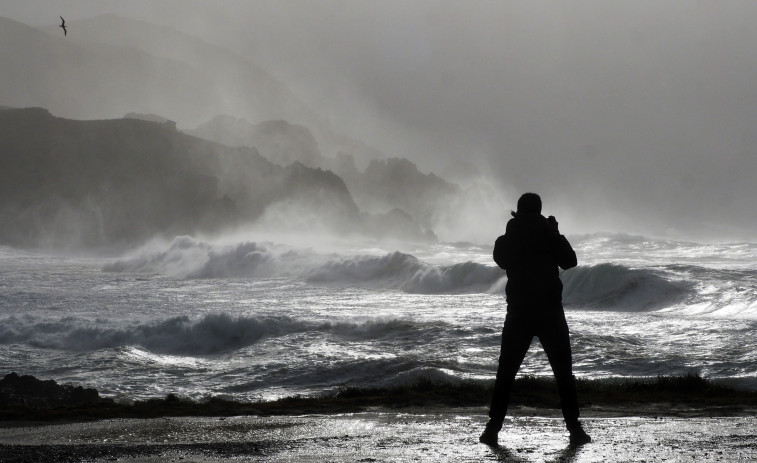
(86, 184)
(397, 183)
(150, 117)
(396, 224)
(30, 392)
(278, 141)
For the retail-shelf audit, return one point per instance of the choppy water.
(254, 319)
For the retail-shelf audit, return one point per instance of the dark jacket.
(530, 251)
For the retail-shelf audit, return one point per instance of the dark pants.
(519, 330)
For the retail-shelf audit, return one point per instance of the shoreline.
(681, 418)
(25, 400)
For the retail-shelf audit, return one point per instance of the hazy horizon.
(635, 117)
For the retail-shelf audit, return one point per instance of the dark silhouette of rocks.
(115, 64)
(396, 224)
(30, 392)
(278, 141)
(397, 183)
(385, 184)
(398, 201)
(88, 184)
(123, 64)
(150, 117)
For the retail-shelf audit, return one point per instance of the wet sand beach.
(665, 419)
(383, 435)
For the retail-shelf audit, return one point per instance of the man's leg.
(516, 338)
(555, 339)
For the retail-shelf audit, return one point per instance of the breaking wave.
(211, 334)
(190, 258)
(613, 286)
(604, 286)
(408, 274)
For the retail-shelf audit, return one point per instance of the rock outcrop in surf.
(30, 392)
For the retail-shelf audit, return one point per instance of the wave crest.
(211, 334)
(187, 257)
(612, 286)
(601, 286)
(409, 274)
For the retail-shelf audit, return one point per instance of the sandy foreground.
(440, 435)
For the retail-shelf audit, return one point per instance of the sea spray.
(188, 258)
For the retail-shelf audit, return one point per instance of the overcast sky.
(633, 115)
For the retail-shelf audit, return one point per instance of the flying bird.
(63, 25)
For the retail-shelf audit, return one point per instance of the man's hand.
(552, 221)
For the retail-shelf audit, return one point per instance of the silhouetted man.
(530, 251)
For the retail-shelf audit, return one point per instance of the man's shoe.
(577, 434)
(489, 437)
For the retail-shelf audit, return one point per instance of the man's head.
(529, 203)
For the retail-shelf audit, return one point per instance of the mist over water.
(630, 117)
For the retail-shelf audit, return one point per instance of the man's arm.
(566, 256)
(562, 250)
(500, 252)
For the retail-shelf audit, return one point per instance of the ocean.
(259, 318)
